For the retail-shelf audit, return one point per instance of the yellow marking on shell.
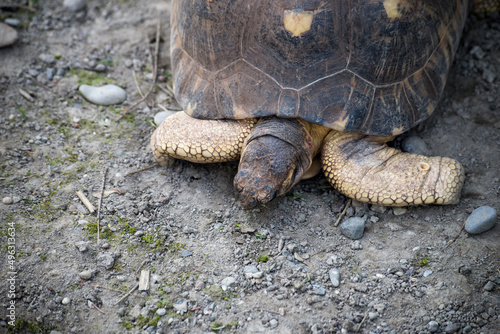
(391, 8)
(297, 22)
(181, 152)
(387, 201)
(163, 147)
(397, 131)
(239, 112)
(191, 108)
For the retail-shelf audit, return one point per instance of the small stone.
(161, 311)
(139, 233)
(415, 145)
(481, 220)
(353, 228)
(66, 301)
(85, 275)
(74, 5)
(334, 277)
(82, 246)
(135, 312)
(489, 75)
(7, 200)
(320, 291)
(162, 115)
(185, 253)
(8, 35)
(489, 286)
(105, 260)
(477, 52)
(105, 95)
(378, 208)
(433, 326)
(398, 211)
(426, 273)
(273, 323)
(227, 283)
(372, 315)
(181, 306)
(47, 58)
(199, 284)
(452, 328)
(12, 22)
(121, 278)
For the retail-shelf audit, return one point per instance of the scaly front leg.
(203, 141)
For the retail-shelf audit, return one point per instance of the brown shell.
(373, 67)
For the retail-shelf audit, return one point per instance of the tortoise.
(292, 87)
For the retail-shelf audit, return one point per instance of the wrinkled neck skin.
(275, 157)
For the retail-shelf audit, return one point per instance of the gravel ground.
(214, 267)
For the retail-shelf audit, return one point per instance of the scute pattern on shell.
(373, 67)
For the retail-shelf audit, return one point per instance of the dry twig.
(456, 237)
(98, 309)
(342, 214)
(127, 294)
(100, 204)
(141, 170)
(85, 201)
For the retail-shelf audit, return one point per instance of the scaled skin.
(360, 167)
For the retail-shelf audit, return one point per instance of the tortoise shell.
(372, 67)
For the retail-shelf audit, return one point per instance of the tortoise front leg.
(366, 169)
(203, 141)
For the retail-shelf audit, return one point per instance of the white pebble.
(7, 200)
(74, 5)
(65, 301)
(105, 95)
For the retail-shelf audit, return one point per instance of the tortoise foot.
(202, 141)
(366, 169)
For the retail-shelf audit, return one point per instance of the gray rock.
(162, 115)
(334, 277)
(47, 58)
(135, 312)
(353, 228)
(199, 284)
(452, 328)
(433, 326)
(398, 211)
(66, 301)
(7, 200)
(105, 260)
(161, 311)
(414, 144)
(426, 273)
(8, 35)
(105, 95)
(139, 233)
(185, 253)
(12, 22)
(74, 5)
(373, 315)
(481, 220)
(181, 306)
(488, 286)
(227, 282)
(86, 274)
(319, 290)
(489, 75)
(273, 323)
(82, 246)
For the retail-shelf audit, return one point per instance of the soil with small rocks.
(212, 266)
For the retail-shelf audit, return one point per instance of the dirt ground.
(213, 266)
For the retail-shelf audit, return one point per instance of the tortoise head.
(275, 156)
